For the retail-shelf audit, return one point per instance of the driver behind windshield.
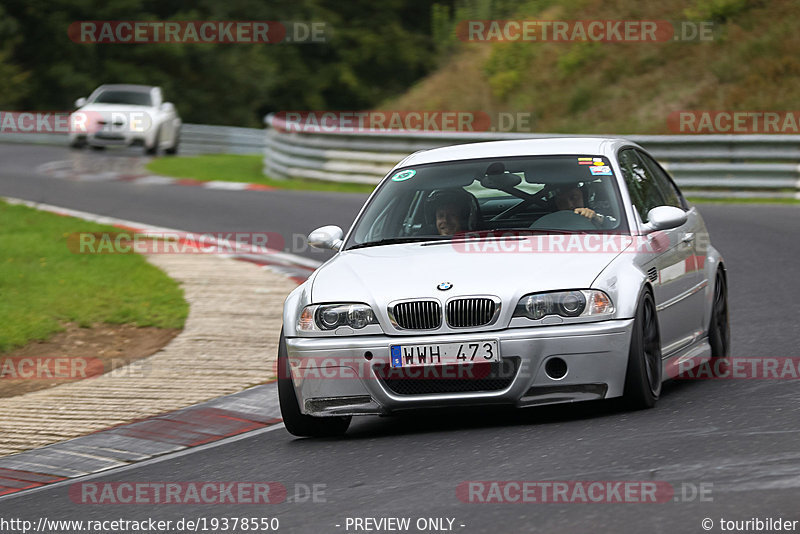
(570, 197)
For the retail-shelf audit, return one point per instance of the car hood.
(381, 274)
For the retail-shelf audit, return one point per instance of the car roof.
(519, 147)
(128, 87)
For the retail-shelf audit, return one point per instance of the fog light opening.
(556, 368)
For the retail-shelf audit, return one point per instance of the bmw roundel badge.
(444, 286)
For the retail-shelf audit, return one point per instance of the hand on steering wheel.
(588, 213)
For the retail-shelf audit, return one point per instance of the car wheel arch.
(624, 282)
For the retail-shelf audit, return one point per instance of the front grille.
(418, 315)
(462, 313)
(436, 379)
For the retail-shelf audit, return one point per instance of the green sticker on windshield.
(404, 175)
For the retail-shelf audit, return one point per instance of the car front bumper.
(116, 139)
(105, 137)
(333, 375)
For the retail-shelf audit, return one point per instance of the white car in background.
(126, 115)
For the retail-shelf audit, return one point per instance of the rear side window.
(672, 197)
(644, 191)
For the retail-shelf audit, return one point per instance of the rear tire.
(644, 373)
(296, 422)
(719, 331)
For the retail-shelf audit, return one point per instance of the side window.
(672, 197)
(643, 189)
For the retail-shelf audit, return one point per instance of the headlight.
(577, 303)
(323, 317)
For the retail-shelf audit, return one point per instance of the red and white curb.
(195, 426)
(65, 169)
(291, 265)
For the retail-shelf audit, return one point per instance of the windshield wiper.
(395, 240)
(500, 231)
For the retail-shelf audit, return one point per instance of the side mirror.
(80, 102)
(167, 107)
(326, 237)
(664, 218)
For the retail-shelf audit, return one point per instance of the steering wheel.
(563, 220)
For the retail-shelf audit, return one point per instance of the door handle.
(688, 238)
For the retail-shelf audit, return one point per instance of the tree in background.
(13, 79)
(375, 51)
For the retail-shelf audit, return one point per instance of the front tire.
(644, 373)
(153, 150)
(296, 422)
(174, 148)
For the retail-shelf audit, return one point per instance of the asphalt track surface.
(292, 214)
(737, 439)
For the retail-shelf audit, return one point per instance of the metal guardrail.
(195, 139)
(754, 166)
(204, 139)
(704, 165)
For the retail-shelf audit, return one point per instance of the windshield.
(135, 98)
(479, 197)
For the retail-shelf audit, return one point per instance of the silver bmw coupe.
(521, 273)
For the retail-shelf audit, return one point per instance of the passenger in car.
(451, 219)
(451, 211)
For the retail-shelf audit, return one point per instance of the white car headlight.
(325, 317)
(577, 303)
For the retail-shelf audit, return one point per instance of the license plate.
(421, 355)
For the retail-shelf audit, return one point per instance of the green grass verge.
(241, 168)
(43, 284)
